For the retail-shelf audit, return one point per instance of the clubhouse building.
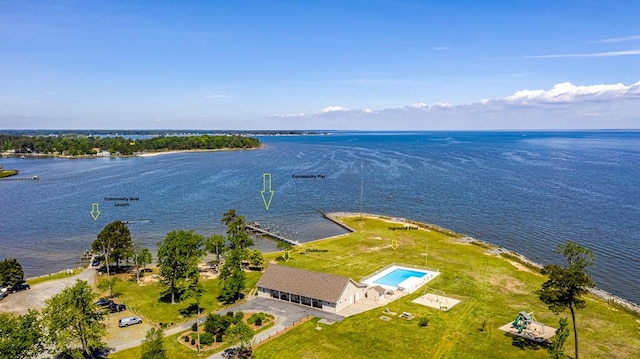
(327, 292)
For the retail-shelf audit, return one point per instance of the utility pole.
(361, 186)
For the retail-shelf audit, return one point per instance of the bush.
(253, 319)
(230, 314)
(237, 318)
(423, 321)
(206, 339)
(186, 338)
(193, 341)
(258, 321)
(194, 327)
(219, 337)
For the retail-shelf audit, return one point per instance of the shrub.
(194, 327)
(219, 337)
(423, 321)
(237, 318)
(230, 314)
(186, 338)
(258, 321)
(193, 341)
(206, 339)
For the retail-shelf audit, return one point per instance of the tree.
(256, 259)
(141, 257)
(178, 258)
(21, 337)
(72, 319)
(114, 241)
(216, 244)
(231, 273)
(152, 346)
(556, 347)
(11, 272)
(241, 334)
(566, 285)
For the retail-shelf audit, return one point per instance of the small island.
(80, 146)
(7, 173)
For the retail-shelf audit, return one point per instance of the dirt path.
(19, 303)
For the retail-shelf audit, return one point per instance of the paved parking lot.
(19, 303)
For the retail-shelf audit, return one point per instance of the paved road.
(19, 303)
(286, 314)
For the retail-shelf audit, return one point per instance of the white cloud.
(563, 106)
(567, 92)
(333, 109)
(593, 54)
(616, 39)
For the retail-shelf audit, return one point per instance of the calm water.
(523, 191)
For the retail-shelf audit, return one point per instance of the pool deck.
(366, 304)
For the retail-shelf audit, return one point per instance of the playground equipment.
(439, 296)
(528, 327)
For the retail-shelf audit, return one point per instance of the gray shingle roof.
(317, 285)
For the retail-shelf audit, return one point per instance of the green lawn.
(145, 300)
(492, 289)
(59, 275)
(171, 345)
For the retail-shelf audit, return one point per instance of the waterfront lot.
(492, 290)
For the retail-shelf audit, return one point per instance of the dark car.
(19, 287)
(103, 302)
(115, 308)
(95, 263)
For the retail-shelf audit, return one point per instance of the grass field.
(53, 276)
(145, 300)
(493, 289)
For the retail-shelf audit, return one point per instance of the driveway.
(286, 315)
(19, 303)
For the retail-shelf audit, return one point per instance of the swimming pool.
(401, 278)
(399, 275)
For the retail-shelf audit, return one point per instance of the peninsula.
(74, 146)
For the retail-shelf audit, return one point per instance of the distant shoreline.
(141, 154)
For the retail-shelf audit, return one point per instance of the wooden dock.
(32, 178)
(255, 228)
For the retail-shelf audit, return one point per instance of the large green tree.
(178, 257)
(114, 241)
(11, 272)
(566, 285)
(72, 318)
(21, 336)
(216, 244)
(231, 273)
(152, 346)
(241, 334)
(141, 257)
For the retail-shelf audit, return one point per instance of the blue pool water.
(397, 276)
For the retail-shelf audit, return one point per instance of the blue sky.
(370, 65)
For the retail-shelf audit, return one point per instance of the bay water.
(526, 191)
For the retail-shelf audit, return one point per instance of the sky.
(344, 65)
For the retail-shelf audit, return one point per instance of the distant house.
(327, 292)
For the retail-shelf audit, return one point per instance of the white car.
(125, 322)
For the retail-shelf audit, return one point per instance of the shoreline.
(137, 154)
(600, 293)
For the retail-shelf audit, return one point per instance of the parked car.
(3, 293)
(115, 308)
(95, 262)
(125, 322)
(103, 302)
(19, 287)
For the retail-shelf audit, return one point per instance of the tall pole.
(426, 252)
(361, 185)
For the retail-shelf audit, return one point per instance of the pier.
(28, 178)
(255, 228)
